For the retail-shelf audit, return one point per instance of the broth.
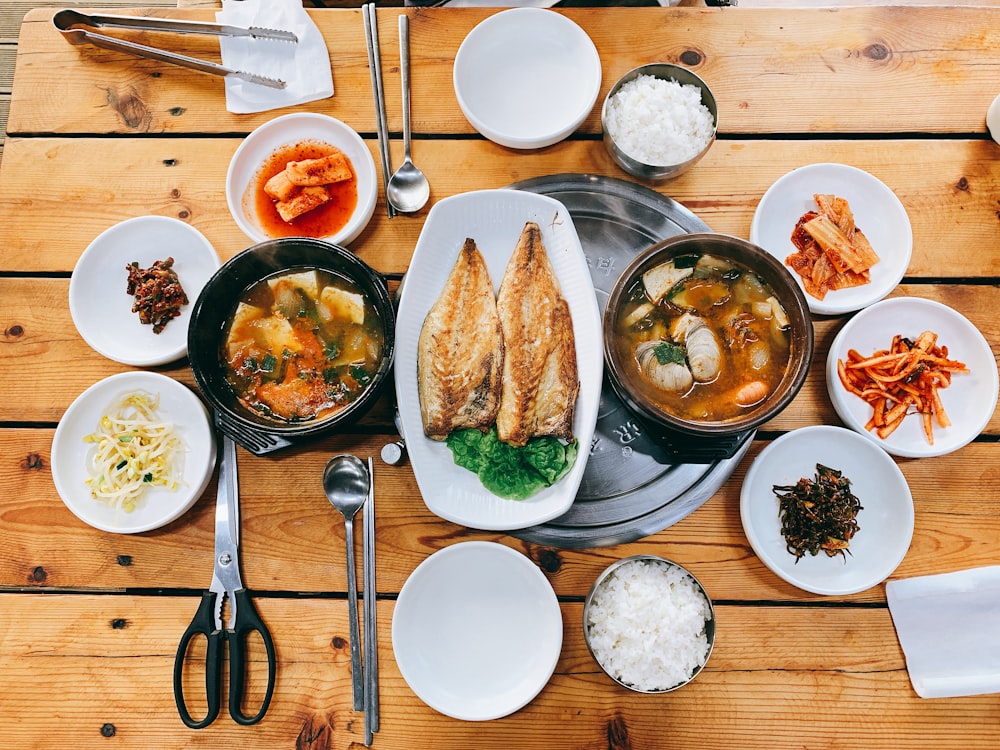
(708, 344)
(302, 345)
(320, 222)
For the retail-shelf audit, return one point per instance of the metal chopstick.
(371, 630)
(375, 68)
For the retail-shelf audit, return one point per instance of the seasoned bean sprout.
(133, 450)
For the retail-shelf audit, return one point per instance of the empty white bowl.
(477, 631)
(288, 130)
(526, 78)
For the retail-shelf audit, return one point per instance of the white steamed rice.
(646, 625)
(659, 121)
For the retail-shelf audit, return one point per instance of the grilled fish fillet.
(540, 379)
(460, 351)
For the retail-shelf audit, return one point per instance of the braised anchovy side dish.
(158, 293)
(819, 514)
(707, 336)
(497, 376)
(832, 252)
(904, 379)
(302, 345)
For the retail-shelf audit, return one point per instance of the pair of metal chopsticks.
(74, 27)
(371, 631)
(375, 67)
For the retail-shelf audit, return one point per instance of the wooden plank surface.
(874, 66)
(293, 541)
(59, 646)
(94, 618)
(948, 188)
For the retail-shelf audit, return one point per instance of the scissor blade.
(227, 520)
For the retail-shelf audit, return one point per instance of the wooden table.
(89, 621)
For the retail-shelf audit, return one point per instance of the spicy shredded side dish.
(904, 379)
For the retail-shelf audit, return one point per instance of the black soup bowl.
(255, 429)
(760, 350)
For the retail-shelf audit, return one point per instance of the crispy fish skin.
(460, 351)
(540, 377)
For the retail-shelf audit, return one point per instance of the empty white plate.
(477, 631)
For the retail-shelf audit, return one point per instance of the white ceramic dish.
(527, 77)
(160, 506)
(102, 308)
(877, 212)
(885, 521)
(970, 399)
(289, 130)
(477, 631)
(494, 219)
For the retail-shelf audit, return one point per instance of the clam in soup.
(302, 345)
(707, 337)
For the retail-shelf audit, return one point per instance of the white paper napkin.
(304, 67)
(949, 628)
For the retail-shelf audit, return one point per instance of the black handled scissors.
(243, 619)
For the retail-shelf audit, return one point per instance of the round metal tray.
(632, 486)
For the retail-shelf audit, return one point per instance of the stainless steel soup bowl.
(213, 310)
(629, 162)
(624, 376)
(603, 577)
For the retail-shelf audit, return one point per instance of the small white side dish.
(159, 506)
(102, 308)
(288, 130)
(527, 77)
(885, 521)
(494, 219)
(970, 399)
(877, 211)
(477, 631)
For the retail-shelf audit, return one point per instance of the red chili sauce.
(320, 222)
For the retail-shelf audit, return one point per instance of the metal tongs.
(69, 22)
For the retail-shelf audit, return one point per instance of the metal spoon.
(346, 482)
(408, 189)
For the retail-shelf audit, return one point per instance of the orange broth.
(320, 222)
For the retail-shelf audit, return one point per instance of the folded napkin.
(304, 67)
(949, 628)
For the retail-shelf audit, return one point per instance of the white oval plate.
(102, 308)
(288, 130)
(477, 631)
(526, 77)
(885, 521)
(494, 219)
(969, 400)
(877, 212)
(159, 506)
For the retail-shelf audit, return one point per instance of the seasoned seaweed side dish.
(818, 514)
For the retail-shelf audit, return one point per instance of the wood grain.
(873, 65)
(60, 646)
(89, 621)
(948, 187)
(293, 541)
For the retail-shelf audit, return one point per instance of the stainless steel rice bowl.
(618, 147)
(655, 634)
